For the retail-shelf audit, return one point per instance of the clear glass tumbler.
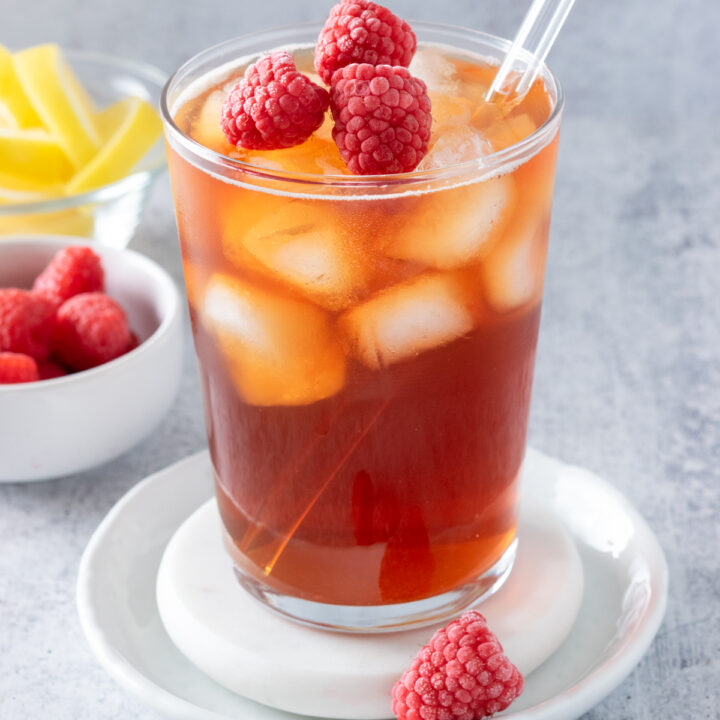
(366, 347)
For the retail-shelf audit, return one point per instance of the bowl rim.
(149, 75)
(161, 277)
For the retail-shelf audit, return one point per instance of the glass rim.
(491, 164)
(138, 178)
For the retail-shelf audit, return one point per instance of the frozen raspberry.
(359, 31)
(26, 322)
(72, 271)
(461, 674)
(17, 368)
(90, 330)
(273, 106)
(382, 118)
(49, 370)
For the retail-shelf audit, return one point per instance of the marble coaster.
(260, 655)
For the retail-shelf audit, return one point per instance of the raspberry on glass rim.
(273, 106)
(382, 118)
(381, 112)
(360, 31)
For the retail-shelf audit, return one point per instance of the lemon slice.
(34, 155)
(7, 119)
(62, 104)
(15, 109)
(109, 119)
(131, 126)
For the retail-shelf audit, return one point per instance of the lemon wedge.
(7, 119)
(61, 102)
(34, 155)
(130, 128)
(15, 109)
(109, 119)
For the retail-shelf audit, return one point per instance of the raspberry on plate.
(17, 368)
(382, 118)
(26, 322)
(90, 330)
(73, 270)
(359, 31)
(461, 674)
(274, 106)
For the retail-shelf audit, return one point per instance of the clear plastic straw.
(536, 35)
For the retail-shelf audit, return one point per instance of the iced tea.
(367, 349)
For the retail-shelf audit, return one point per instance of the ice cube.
(324, 132)
(278, 350)
(196, 277)
(206, 127)
(513, 273)
(318, 155)
(509, 130)
(325, 152)
(436, 71)
(455, 145)
(309, 247)
(259, 159)
(449, 111)
(409, 318)
(236, 209)
(452, 228)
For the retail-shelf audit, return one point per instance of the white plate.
(624, 601)
(238, 642)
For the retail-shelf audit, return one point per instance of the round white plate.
(623, 604)
(240, 643)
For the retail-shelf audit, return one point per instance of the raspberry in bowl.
(90, 354)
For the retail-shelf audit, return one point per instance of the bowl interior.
(134, 281)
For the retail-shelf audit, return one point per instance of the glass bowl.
(109, 214)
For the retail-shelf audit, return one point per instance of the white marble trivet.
(250, 650)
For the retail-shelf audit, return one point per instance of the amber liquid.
(352, 472)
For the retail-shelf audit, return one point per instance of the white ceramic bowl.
(66, 425)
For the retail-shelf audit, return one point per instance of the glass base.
(383, 618)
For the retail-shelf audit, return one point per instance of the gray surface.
(628, 370)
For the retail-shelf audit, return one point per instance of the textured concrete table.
(628, 369)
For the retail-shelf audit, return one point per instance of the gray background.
(628, 368)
